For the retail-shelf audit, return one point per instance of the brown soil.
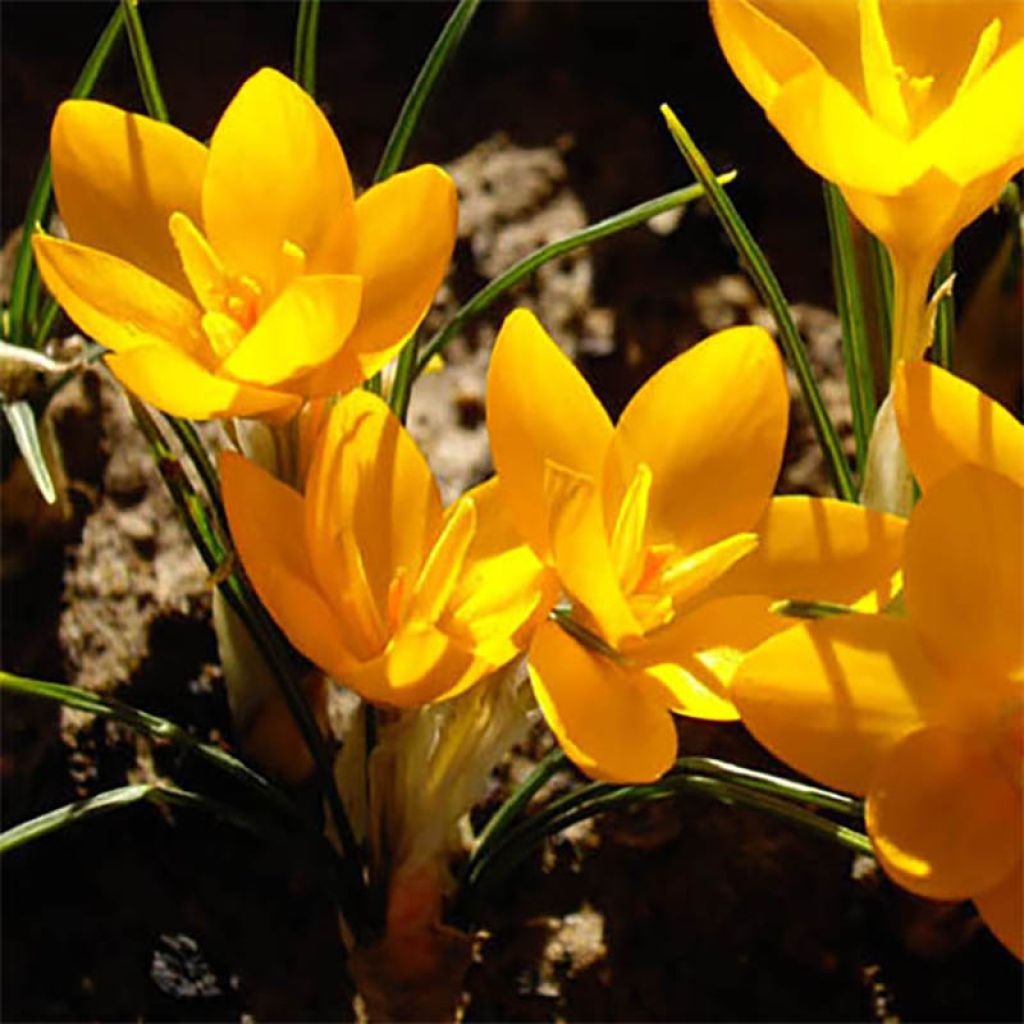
(688, 911)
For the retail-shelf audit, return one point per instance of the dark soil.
(689, 911)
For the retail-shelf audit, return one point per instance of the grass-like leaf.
(771, 293)
(304, 60)
(945, 316)
(860, 378)
(409, 116)
(145, 70)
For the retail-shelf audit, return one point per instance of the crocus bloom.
(913, 109)
(664, 536)
(368, 577)
(925, 712)
(236, 279)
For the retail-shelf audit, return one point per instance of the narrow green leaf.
(497, 287)
(72, 814)
(409, 116)
(860, 377)
(945, 317)
(771, 293)
(405, 370)
(304, 60)
(145, 70)
(22, 420)
(42, 190)
(881, 283)
(810, 609)
(45, 321)
(187, 434)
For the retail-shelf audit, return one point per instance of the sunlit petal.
(819, 549)
(172, 381)
(118, 177)
(831, 697)
(965, 575)
(277, 174)
(306, 325)
(945, 822)
(711, 426)
(265, 517)
(605, 719)
(114, 302)
(539, 409)
(944, 422)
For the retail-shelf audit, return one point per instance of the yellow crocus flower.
(924, 713)
(664, 536)
(239, 278)
(369, 578)
(912, 107)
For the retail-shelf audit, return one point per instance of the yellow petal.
(372, 507)
(421, 664)
(713, 447)
(881, 77)
(304, 327)
(830, 698)
(693, 575)
(177, 384)
(539, 409)
(996, 141)
(581, 553)
(685, 695)
(443, 564)
(1002, 909)
(944, 422)
(706, 644)
(945, 822)
(265, 517)
(820, 549)
(405, 234)
(115, 302)
(965, 576)
(277, 174)
(504, 590)
(118, 177)
(611, 725)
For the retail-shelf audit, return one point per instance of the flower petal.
(1002, 909)
(830, 698)
(265, 517)
(539, 409)
(611, 725)
(945, 822)
(421, 664)
(277, 174)
(372, 511)
(118, 177)
(965, 577)
(820, 549)
(113, 301)
(172, 381)
(944, 422)
(713, 447)
(706, 644)
(504, 590)
(405, 234)
(302, 329)
(581, 554)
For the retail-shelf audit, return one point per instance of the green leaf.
(22, 420)
(860, 378)
(497, 287)
(19, 312)
(145, 70)
(771, 293)
(409, 116)
(945, 316)
(881, 286)
(304, 60)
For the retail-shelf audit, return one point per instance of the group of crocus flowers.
(636, 565)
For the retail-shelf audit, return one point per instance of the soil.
(684, 911)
